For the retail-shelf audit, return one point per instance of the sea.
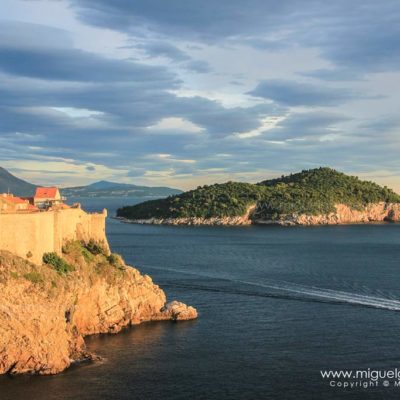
(281, 310)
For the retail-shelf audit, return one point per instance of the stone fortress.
(30, 227)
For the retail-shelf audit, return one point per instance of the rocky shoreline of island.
(372, 213)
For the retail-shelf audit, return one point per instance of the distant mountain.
(114, 189)
(19, 187)
(101, 185)
(14, 185)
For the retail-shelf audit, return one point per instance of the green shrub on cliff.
(87, 255)
(311, 192)
(115, 260)
(60, 265)
(95, 248)
(14, 274)
(76, 248)
(34, 277)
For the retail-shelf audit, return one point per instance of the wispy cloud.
(292, 93)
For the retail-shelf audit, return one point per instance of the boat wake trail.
(335, 296)
(281, 290)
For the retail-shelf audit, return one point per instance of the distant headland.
(310, 197)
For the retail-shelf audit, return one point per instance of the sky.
(183, 93)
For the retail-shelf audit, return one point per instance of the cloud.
(363, 37)
(38, 51)
(63, 102)
(197, 20)
(383, 127)
(170, 125)
(16, 34)
(63, 172)
(335, 74)
(168, 158)
(370, 32)
(163, 49)
(125, 107)
(292, 93)
(199, 66)
(271, 44)
(76, 65)
(306, 125)
(122, 103)
(156, 48)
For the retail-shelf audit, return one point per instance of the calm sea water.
(276, 306)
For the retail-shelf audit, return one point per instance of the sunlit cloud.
(173, 124)
(266, 124)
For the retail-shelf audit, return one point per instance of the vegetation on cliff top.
(311, 192)
(77, 261)
(58, 263)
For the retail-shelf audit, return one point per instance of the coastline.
(194, 221)
(45, 315)
(344, 215)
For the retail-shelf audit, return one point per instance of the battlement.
(30, 235)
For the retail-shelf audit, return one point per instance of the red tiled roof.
(46, 192)
(16, 200)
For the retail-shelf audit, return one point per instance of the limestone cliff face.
(377, 212)
(44, 316)
(344, 215)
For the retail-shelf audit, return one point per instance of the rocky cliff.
(45, 314)
(344, 214)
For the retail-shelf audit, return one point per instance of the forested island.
(315, 196)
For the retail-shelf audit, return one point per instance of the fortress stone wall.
(41, 232)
